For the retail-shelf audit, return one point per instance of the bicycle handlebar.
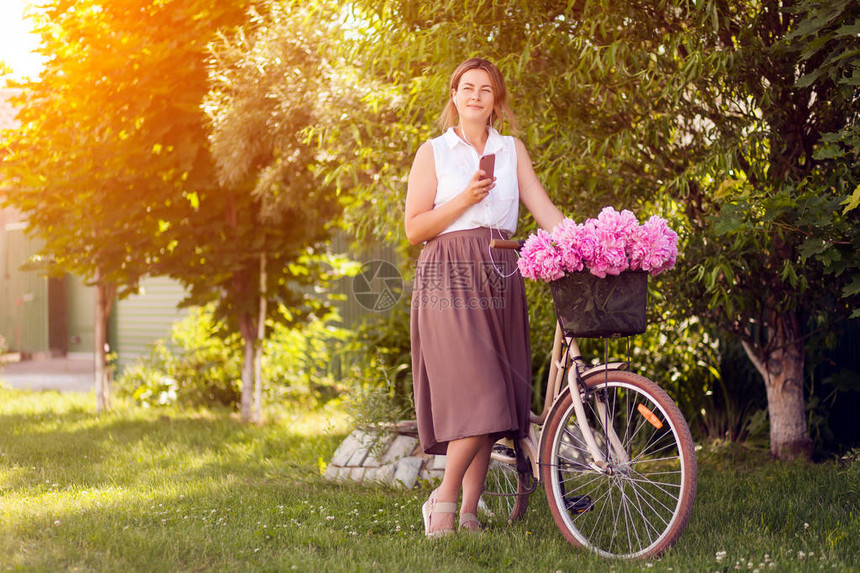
(506, 244)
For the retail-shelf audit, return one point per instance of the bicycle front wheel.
(637, 504)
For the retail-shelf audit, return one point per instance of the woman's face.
(474, 96)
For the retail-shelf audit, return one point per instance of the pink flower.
(607, 245)
(570, 238)
(539, 258)
(589, 242)
(653, 247)
(619, 225)
(611, 258)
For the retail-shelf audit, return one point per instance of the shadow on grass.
(75, 448)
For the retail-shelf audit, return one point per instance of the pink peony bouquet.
(612, 243)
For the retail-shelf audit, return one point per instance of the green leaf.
(813, 246)
(807, 80)
(727, 225)
(849, 30)
(828, 152)
(852, 202)
(852, 288)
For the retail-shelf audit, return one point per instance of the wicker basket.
(593, 307)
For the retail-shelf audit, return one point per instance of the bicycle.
(612, 450)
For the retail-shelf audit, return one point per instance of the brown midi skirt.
(471, 359)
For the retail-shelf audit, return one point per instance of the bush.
(710, 378)
(304, 364)
(379, 365)
(200, 368)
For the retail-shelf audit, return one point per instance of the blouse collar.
(494, 140)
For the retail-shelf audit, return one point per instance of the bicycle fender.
(589, 373)
(602, 367)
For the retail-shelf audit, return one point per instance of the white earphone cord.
(489, 215)
(490, 249)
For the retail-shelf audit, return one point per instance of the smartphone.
(487, 164)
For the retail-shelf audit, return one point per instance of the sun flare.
(17, 41)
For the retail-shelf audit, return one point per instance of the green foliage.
(112, 138)
(304, 365)
(379, 366)
(204, 369)
(112, 164)
(111, 132)
(269, 198)
(734, 407)
(739, 117)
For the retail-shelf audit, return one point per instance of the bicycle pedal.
(504, 453)
(578, 504)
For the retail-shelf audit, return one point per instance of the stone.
(331, 472)
(389, 455)
(346, 449)
(343, 474)
(407, 470)
(385, 474)
(401, 446)
(358, 456)
(379, 444)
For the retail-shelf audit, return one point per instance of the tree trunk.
(104, 303)
(249, 334)
(781, 364)
(261, 336)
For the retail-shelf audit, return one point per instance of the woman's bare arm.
(423, 222)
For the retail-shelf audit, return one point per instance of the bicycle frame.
(577, 373)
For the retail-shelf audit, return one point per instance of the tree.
(110, 132)
(738, 119)
(266, 225)
(781, 265)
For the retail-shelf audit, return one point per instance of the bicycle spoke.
(573, 465)
(656, 499)
(649, 528)
(631, 525)
(644, 480)
(651, 507)
(506, 491)
(636, 459)
(629, 506)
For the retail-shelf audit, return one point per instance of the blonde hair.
(502, 114)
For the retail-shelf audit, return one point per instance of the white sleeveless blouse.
(456, 163)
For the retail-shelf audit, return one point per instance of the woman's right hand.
(478, 188)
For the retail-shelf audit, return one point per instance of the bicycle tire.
(635, 508)
(506, 493)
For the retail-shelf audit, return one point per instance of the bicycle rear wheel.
(639, 503)
(506, 494)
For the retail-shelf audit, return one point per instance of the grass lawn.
(171, 490)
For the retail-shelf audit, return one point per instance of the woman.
(470, 342)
